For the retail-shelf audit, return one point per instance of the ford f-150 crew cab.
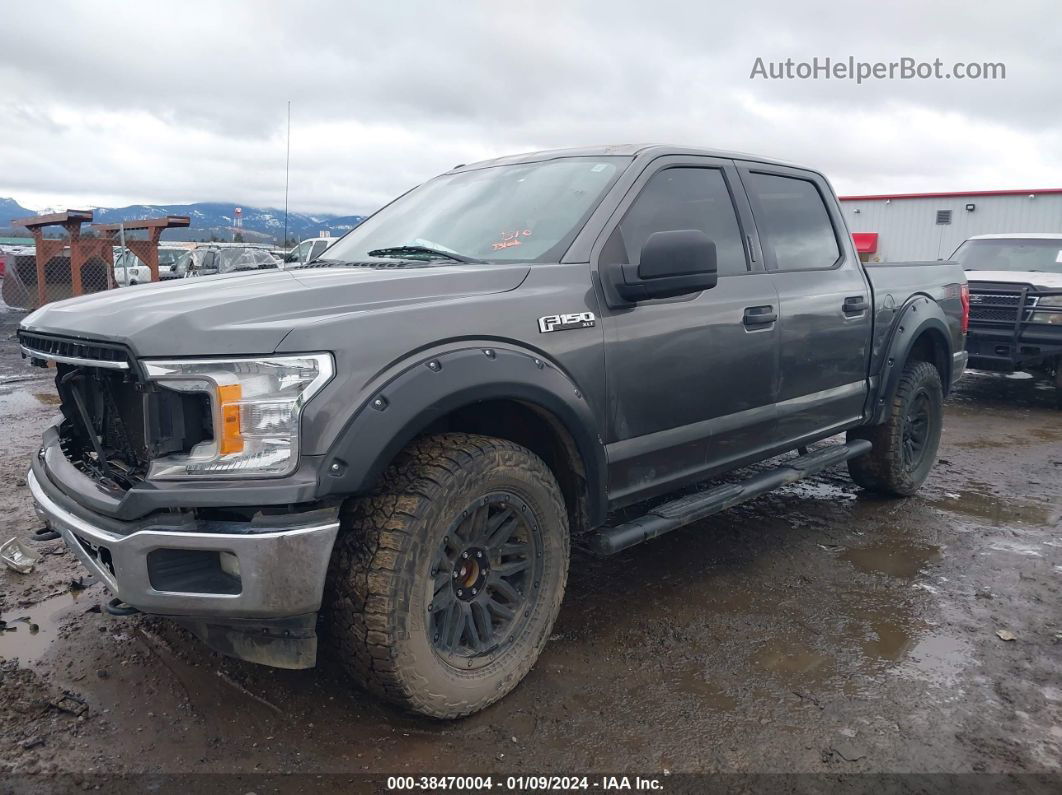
(1015, 303)
(397, 445)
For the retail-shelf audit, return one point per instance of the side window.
(793, 222)
(683, 198)
(318, 249)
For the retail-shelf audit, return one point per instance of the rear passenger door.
(824, 301)
(691, 379)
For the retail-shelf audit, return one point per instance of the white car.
(129, 269)
(1015, 302)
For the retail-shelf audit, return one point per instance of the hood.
(252, 313)
(1038, 279)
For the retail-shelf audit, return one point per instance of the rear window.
(793, 222)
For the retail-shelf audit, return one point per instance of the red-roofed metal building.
(928, 226)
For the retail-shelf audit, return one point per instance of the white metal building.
(929, 226)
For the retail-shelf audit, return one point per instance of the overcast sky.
(105, 104)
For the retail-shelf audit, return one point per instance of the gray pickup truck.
(397, 445)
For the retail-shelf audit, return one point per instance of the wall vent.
(943, 216)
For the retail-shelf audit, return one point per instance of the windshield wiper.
(398, 251)
(341, 263)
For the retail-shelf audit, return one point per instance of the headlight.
(256, 405)
(1048, 302)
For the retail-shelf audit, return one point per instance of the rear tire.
(905, 445)
(445, 584)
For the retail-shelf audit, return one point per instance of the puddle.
(997, 510)
(20, 401)
(1046, 434)
(691, 682)
(912, 649)
(29, 646)
(901, 560)
(792, 660)
(939, 659)
(891, 641)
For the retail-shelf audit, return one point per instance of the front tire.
(445, 584)
(905, 445)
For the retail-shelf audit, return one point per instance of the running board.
(673, 515)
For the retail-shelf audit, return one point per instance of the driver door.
(691, 380)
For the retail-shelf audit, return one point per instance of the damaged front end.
(242, 572)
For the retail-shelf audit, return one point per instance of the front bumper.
(1001, 350)
(277, 584)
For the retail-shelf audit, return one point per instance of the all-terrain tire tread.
(373, 564)
(881, 470)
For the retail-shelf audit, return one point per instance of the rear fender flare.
(919, 314)
(430, 386)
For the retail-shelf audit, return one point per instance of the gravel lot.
(814, 630)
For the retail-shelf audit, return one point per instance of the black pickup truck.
(397, 445)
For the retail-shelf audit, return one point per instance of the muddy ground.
(815, 630)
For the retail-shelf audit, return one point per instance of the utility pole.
(287, 178)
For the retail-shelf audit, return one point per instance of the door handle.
(854, 304)
(759, 316)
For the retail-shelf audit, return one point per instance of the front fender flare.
(431, 386)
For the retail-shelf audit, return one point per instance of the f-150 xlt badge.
(566, 322)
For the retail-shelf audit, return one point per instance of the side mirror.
(673, 263)
(290, 258)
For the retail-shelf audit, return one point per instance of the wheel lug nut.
(474, 592)
(464, 554)
(460, 592)
(454, 575)
(479, 554)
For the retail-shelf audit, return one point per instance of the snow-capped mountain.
(213, 219)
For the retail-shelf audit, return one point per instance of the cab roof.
(1020, 236)
(627, 150)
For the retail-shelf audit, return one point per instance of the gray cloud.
(102, 105)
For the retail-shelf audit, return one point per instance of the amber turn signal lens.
(231, 440)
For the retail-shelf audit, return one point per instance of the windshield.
(528, 212)
(1011, 254)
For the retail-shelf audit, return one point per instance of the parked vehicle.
(309, 250)
(1015, 303)
(409, 434)
(129, 269)
(208, 261)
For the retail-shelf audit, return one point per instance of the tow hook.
(116, 607)
(43, 534)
